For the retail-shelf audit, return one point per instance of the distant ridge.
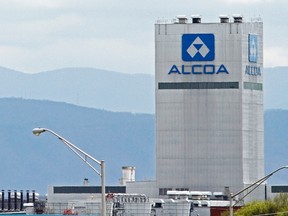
(30, 162)
(276, 142)
(275, 84)
(87, 87)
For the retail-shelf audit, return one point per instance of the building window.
(198, 85)
(253, 86)
(279, 189)
(182, 189)
(163, 191)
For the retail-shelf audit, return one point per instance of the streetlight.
(256, 184)
(84, 156)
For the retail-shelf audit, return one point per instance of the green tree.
(278, 206)
(282, 201)
(258, 208)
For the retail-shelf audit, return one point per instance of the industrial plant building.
(209, 104)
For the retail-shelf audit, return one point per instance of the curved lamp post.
(84, 156)
(253, 186)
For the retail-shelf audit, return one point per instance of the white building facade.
(209, 104)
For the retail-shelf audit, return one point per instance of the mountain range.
(87, 87)
(275, 86)
(29, 162)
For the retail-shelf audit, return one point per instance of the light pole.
(255, 184)
(84, 157)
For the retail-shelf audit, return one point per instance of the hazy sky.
(41, 35)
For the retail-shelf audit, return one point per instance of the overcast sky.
(41, 35)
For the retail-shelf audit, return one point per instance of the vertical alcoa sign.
(252, 69)
(198, 48)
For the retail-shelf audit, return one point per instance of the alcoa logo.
(253, 48)
(253, 69)
(198, 47)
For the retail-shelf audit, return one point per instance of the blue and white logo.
(252, 48)
(198, 47)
